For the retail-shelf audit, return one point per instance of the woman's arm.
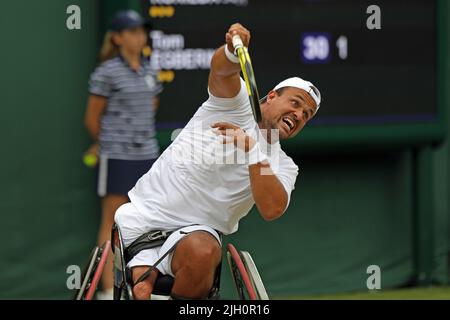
(95, 107)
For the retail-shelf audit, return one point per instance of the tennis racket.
(249, 76)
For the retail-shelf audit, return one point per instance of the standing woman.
(120, 118)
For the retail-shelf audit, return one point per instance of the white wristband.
(255, 155)
(231, 56)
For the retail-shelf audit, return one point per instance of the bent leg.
(194, 263)
(144, 289)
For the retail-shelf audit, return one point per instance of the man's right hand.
(240, 30)
(224, 80)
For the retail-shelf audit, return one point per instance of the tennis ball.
(90, 160)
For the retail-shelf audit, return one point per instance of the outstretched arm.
(224, 79)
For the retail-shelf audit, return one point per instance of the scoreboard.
(378, 84)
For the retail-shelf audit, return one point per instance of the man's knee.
(207, 254)
(203, 249)
(199, 251)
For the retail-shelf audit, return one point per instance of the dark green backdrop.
(350, 209)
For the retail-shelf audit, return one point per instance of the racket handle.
(237, 42)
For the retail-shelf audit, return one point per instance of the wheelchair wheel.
(254, 276)
(104, 252)
(241, 278)
(93, 272)
(87, 271)
(122, 289)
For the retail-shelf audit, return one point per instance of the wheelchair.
(245, 275)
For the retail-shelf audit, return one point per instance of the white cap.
(297, 82)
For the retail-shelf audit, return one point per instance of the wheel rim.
(240, 274)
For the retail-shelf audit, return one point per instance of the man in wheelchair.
(181, 207)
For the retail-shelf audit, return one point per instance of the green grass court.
(432, 293)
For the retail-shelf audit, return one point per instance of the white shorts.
(149, 256)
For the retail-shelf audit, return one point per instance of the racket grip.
(237, 42)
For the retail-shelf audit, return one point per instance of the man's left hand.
(234, 134)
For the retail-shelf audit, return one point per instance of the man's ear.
(271, 95)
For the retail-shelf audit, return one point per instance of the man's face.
(288, 111)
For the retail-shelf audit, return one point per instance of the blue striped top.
(127, 130)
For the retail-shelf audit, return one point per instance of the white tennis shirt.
(191, 184)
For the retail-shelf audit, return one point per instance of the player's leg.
(110, 203)
(194, 263)
(143, 289)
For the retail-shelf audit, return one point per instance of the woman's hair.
(109, 49)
